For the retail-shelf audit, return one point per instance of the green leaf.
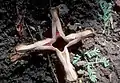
(104, 61)
(91, 73)
(93, 78)
(107, 12)
(76, 58)
(92, 53)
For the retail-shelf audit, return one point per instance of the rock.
(74, 27)
(119, 33)
(81, 63)
(63, 9)
(116, 60)
(117, 6)
(117, 30)
(1, 38)
(2, 44)
(118, 3)
(106, 72)
(113, 78)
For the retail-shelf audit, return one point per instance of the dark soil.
(42, 67)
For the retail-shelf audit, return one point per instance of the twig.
(8, 37)
(40, 32)
(50, 65)
(29, 31)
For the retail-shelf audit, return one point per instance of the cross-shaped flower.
(46, 44)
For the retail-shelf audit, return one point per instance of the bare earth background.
(36, 68)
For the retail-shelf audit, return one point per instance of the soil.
(44, 67)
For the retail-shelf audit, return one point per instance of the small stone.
(113, 78)
(118, 3)
(117, 30)
(48, 79)
(81, 72)
(2, 44)
(1, 38)
(114, 39)
(63, 9)
(119, 33)
(81, 63)
(108, 38)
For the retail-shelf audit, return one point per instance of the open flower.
(63, 56)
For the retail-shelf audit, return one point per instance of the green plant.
(90, 68)
(104, 61)
(92, 58)
(76, 58)
(107, 13)
(91, 73)
(92, 53)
